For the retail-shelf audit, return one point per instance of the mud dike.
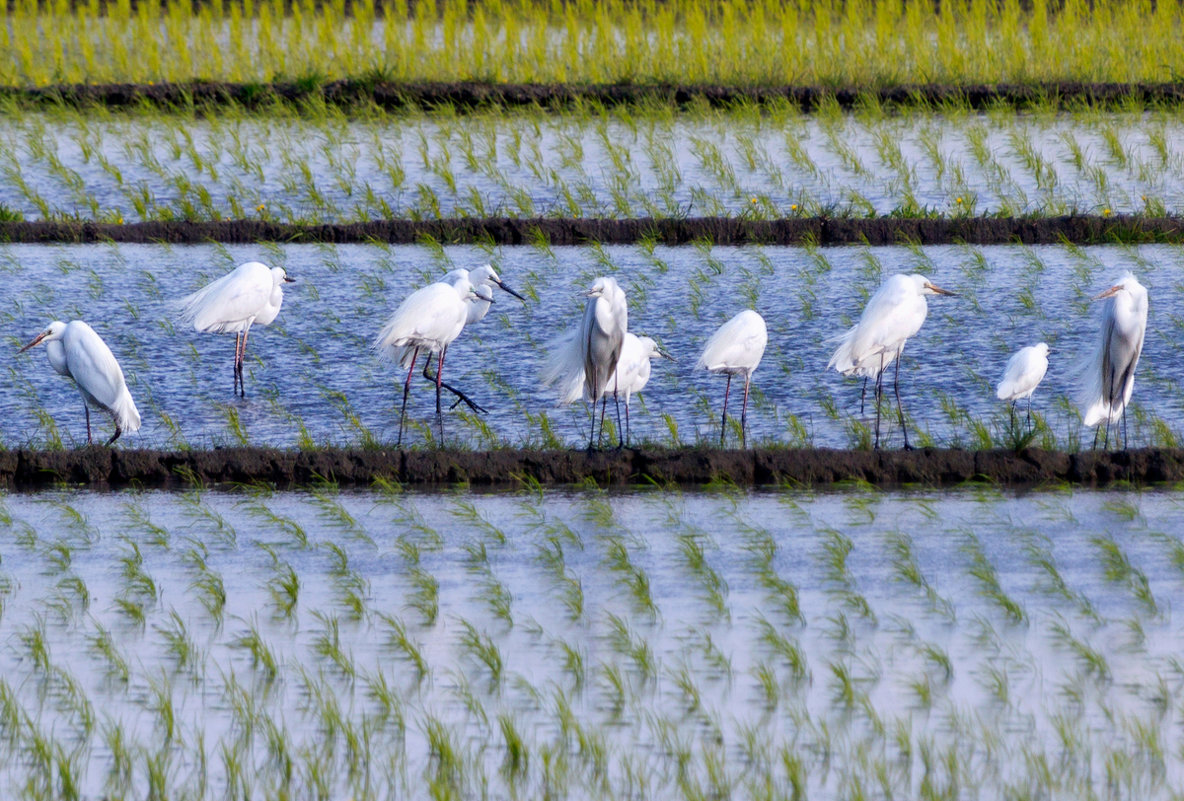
(102, 468)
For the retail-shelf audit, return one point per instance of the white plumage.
(1108, 377)
(1023, 373)
(893, 314)
(250, 294)
(76, 351)
(427, 321)
(582, 361)
(736, 349)
(483, 279)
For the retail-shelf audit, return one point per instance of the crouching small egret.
(895, 312)
(736, 349)
(586, 357)
(633, 369)
(250, 294)
(428, 319)
(1108, 376)
(1023, 373)
(77, 352)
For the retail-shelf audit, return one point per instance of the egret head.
(53, 331)
(651, 349)
(601, 286)
(1127, 283)
(483, 292)
(926, 287)
(1043, 349)
(279, 276)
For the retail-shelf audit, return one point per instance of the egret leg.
(406, 391)
(460, 396)
(86, 409)
(1029, 414)
(862, 395)
(617, 403)
(879, 394)
(744, 414)
(626, 420)
(238, 338)
(242, 385)
(592, 433)
(439, 376)
(1011, 409)
(723, 426)
(115, 436)
(603, 407)
(899, 408)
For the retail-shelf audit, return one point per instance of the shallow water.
(772, 165)
(312, 378)
(659, 640)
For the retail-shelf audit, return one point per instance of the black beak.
(502, 284)
(289, 279)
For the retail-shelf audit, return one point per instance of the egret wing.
(92, 366)
(231, 302)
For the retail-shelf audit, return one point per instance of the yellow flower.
(1105, 212)
(754, 200)
(794, 207)
(260, 207)
(958, 201)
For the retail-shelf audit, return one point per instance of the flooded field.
(312, 378)
(652, 164)
(591, 645)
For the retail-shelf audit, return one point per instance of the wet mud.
(823, 231)
(103, 468)
(372, 94)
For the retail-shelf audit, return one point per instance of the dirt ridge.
(373, 92)
(1076, 229)
(103, 468)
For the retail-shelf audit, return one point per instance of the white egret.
(633, 368)
(1109, 373)
(76, 351)
(736, 349)
(483, 276)
(1023, 373)
(586, 357)
(895, 312)
(250, 294)
(428, 319)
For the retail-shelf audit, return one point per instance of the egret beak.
(939, 290)
(289, 279)
(664, 354)
(35, 341)
(502, 284)
(488, 300)
(1108, 293)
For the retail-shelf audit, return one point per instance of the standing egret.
(1023, 373)
(895, 313)
(76, 351)
(250, 294)
(427, 320)
(583, 360)
(483, 280)
(1109, 376)
(736, 349)
(633, 369)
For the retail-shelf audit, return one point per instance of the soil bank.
(794, 231)
(368, 94)
(103, 468)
